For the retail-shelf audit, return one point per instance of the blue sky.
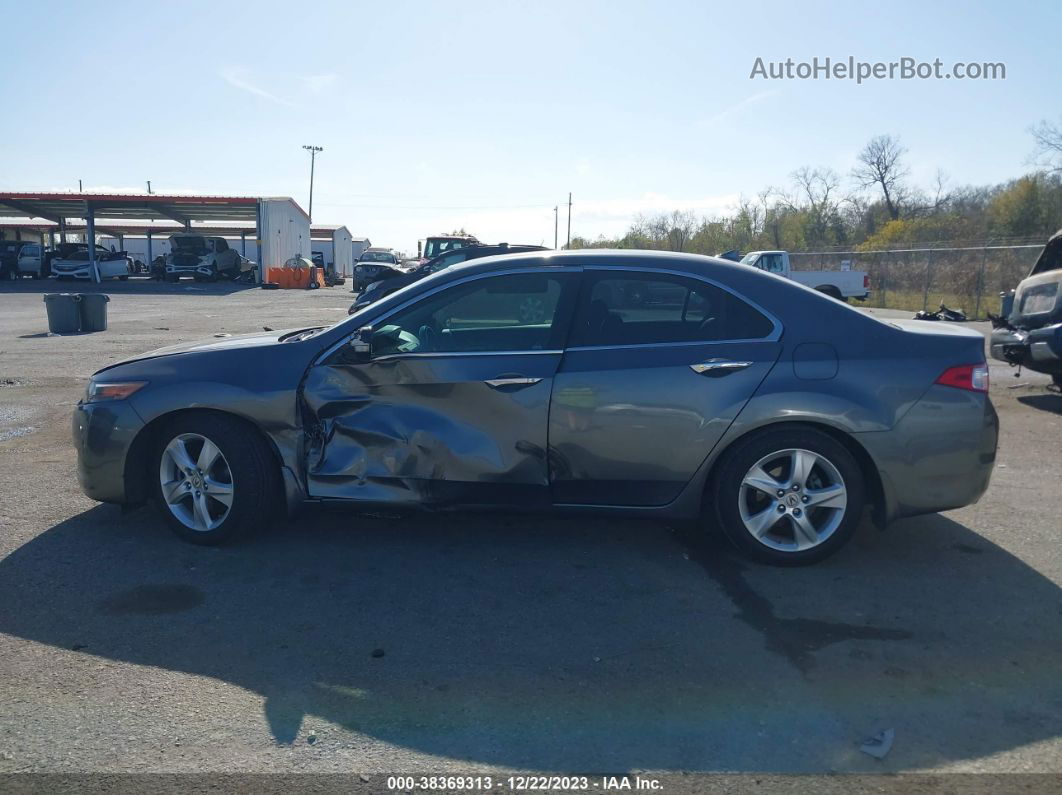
(485, 115)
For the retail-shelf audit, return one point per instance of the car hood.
(206, 346)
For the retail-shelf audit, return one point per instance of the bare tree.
(818, 201)
(1048, 138)
(881, 164)
(682, 227)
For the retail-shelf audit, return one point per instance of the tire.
(244, 477)
(750, 516)
(123, 278)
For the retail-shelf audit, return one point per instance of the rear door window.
(638, 308)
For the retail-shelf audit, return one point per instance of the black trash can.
(94, 311)
(64, 315)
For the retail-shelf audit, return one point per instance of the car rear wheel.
(789, 497)
(215, 480)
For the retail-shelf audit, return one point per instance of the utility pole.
(79, 188)
(569, 243)
(556, 217)
(149, 186)
(313, 150)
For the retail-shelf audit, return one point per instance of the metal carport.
(256, 212)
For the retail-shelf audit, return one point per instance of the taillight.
(973, 377)
(866, 281)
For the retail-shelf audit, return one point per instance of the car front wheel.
(789, 497)
(215, 480)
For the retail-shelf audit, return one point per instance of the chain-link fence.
(962, 277)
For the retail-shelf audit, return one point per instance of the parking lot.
(342, 642)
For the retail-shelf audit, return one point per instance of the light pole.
(555, 222)
(569, 243)
(313, 150)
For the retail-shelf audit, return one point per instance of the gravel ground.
(339, 642)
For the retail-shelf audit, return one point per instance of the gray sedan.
(635, 383)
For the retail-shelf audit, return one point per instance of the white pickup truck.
(841, 285)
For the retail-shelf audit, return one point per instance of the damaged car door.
(444, 400)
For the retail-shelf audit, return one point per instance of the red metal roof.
(139, 206)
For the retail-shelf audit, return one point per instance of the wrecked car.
(75, 265)
(387, 284)
(1028, 331)
(374, 264)
(204, 258)
(527, 382)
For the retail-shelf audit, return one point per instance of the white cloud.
(318, 84)
(240, 77)
(734, 109)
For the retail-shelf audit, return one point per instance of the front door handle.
(718, 367)
(511, 380)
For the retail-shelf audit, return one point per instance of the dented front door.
(452, 408)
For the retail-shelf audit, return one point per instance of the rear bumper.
(103, 433)
(940, 456)
(1039, 349)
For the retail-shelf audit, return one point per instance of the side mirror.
(361, 344)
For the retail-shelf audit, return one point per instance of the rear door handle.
(513, 380)
(718, 367)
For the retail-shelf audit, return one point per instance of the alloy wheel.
(792, 500)
(532, 310)
(196, 481)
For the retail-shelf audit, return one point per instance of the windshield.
(378, 256)
(748, 259)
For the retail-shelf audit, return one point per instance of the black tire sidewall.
(738, 460)
(253, 495)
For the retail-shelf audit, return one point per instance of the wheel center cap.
(196, 480)
(792, 500)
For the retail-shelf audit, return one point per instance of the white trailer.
(284, 232)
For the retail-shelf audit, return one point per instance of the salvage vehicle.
(754, 404)
(373, 264)
(840, 285)
(439, 244)
(388, 284)
(33, 261)
(1028, 332)
(76, 265)
(204, 258)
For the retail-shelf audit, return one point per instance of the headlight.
(111, 390)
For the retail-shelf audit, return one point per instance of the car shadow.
(570, 644)
(1051, 402)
